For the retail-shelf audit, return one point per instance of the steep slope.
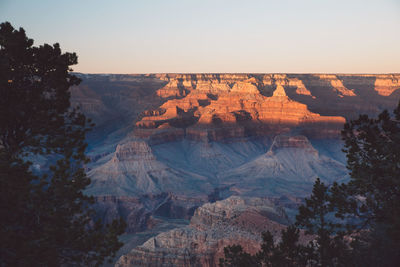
(288, 168)
(133, 170)
(217, 111)
(326, 94)
(232, 221)
(213, 123)
(166, 143)
(113, 102)
(116, 102)
(209, 159)
(195, 128)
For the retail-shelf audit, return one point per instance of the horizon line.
(298, 73)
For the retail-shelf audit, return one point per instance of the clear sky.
(148, 36)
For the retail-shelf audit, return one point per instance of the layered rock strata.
(115, 101)
(237, 134)
(386, 84)
(218, 110)
(146, 211)
(290, 167)
(133, 170)
(232, 221)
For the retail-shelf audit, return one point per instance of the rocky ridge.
(218, 110)
(234, 220)
(133, 170)
(142, 212)
(166, 143)
(115, 101)
(289, 167)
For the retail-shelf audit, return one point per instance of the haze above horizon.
(220, 36)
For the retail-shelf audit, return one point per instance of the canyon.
(212, 227)
(177, 155)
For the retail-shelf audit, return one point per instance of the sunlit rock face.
(154, 106)
(386, 84)
(192, 133)
(165, 144)
(224, 107)
(234, 220)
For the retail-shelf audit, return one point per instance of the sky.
(217, 36)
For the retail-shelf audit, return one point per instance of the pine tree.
(372, 196)
(287, 253)
(45, 218)
(355, 223)
(316, 216)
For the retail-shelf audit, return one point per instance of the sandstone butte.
(230, 107)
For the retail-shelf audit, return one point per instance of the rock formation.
(219, 110)
(115, 101)
(140, 211)
(133, 170)
(273, 80)
(386, 84)
(165, 144)
(192, 133)
(290, 167)
(232, 221)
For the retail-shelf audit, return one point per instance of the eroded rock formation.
(166, 143)
(387, 84)
(133, 170)
(290, 167)
(232, 221)
(227, 107)
(140, 211)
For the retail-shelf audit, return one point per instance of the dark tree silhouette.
(372, 196)
(317, 218)
(45, 219)
(235, 256)
(365, 228)
(327, 248)
(287, 253)
(373, 158)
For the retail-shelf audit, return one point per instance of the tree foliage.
(235, 256)
(317, 218)
(355, 223)
(45, 218)
(327, 246)
(372, 196)
(373, 158)
(288, 252)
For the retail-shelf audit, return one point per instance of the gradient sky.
(149, 36)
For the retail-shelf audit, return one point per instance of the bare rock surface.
(133, 170)
(116, 101)
(290, 167)
(165, 144)
(145, 212)
(229, 108)
(234, 220)
(164, 108)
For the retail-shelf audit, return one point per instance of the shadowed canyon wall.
(166, 144)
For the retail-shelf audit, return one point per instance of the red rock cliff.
(216, 108)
